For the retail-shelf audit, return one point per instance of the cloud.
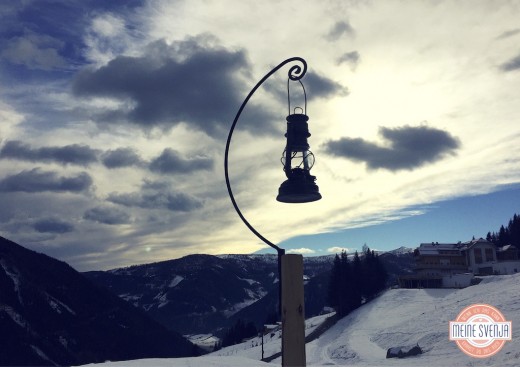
(510, 33)
(69, 154)
(106, 215)
(34, 51)
(187, 82)
(511, 65)
(170, 161)
(37, 180)
(108, 35)
(302, 251)
(316, 86)
(157, 195)
(121, 157)
(321, 87)
(350, 58)
(340, 29)
(52, 225)
(173, 201)
(108, 25)
(336, 249)
(407, 148)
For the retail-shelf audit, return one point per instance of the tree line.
(507, 235)
(237, 333)
(353, 282)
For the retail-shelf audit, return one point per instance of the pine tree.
(357, 282)
(514, 230)
(351, 281)
(507, 235)
(335, 283)
(341, 285)
(381, 274)
(503, 236)
(346, 285)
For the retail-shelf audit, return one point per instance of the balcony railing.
(440, 266)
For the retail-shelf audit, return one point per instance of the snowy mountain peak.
(401, 250)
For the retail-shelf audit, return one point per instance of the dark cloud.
(69, 154)
(321, 87)
(316, 86)
(407, 148)
(157, 195)
(188, 82)
(35, 51)
(37, 180)
(121, 157)
(510, 33)
(173, 201)
(107, 215)
(511, 65)
(50, 225)
(340, 29)
(351, 58)
(171, 161)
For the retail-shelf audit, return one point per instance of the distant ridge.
(400, 251)
(52, 315)
(207, 294)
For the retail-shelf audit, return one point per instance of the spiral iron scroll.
(296, 72)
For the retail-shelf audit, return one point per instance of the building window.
(478, 255)
(489, 254)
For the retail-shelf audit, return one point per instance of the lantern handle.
(289, 96)
(296, 72)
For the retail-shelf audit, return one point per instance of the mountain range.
(52, 315)
(208, 294)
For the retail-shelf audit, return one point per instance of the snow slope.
(189, 362)
(398, 317)
(402, 317)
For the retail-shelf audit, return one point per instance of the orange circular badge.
(480, 330)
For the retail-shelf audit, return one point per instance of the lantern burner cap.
(299, 188)
(297, 118)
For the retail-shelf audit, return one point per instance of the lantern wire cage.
(289, 96)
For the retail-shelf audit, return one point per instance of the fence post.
(293, 311)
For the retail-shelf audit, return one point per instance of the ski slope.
(399, 317)
(402, 317)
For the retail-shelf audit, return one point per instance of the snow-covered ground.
(399, 317)
(204, 341)
(272, 342)
(188, 362)
(403, 317)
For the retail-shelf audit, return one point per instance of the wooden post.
(263, 332)
(293, 312)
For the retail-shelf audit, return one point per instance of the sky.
(114, 118)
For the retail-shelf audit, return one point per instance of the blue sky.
(114, 117)
(448, 221)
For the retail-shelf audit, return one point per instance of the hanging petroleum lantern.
(297, 159)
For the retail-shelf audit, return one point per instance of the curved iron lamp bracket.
(296, 72)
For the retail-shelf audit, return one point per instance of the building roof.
(507, 248)
(480, 241)
(436, 248)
